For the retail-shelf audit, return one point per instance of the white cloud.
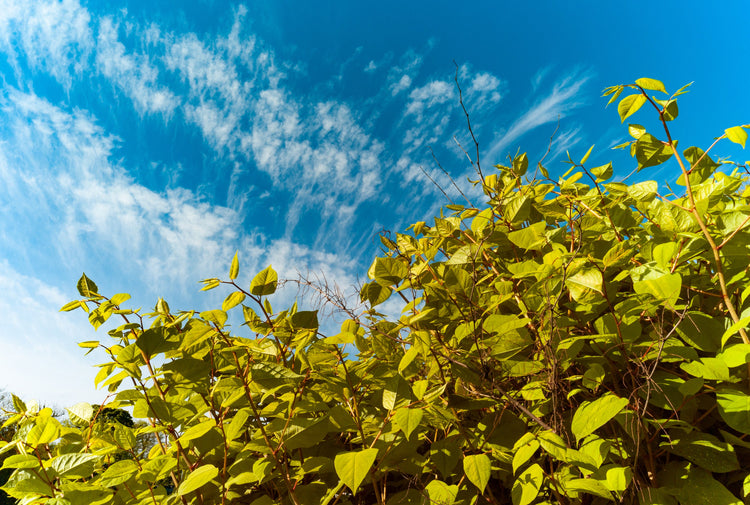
(53, 35)
(401, 85)
(371, 67)
(57, 163)
(401, 76)
(133, 73)
(563, 98)
(431, 94)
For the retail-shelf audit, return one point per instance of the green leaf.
(643, 191)
(118, 472)
(388, 271)
(441, 493)
(21, 461)
(650, 151)
(74, 466)
(197, 431)
(636, 131)
(591, 416)
(671, 110)
(735, 355)
(46, 430)
(701, 331)
(477, 469)
(234, 268)
(630, 105)
(531, 238)
(650, 84)
(524, 452)
(353, 467)
(87, 288)
(197, 478)
(374, 293)
(736, 134)
(586, 156)
(80, 413)
(707, 368)
(233, 300)
(396, 390)
(408, 420)
(210, 284)
(734, 329)
(734, 409)
(663, 286)
(584, 282)
(695, 486)
(71, 306)
(271, 375)
(265, 282)
(590, 486)
(527, 485)
(119, 298)
(445, 455)
(617, 478)
(305, 320)
(706, 451)
(603, 172)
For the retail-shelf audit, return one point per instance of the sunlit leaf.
(352, 467)
(234, 268)
(736, 134)
(650, 84)
(591, 416)
(198, 478)
(477, 469)
(630, 105)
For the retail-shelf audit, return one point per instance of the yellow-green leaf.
(477, 469)
(197, 478)
(234, 269)
(87, 287)
(630, 105)
(81, 412)
(591, 416)
(71, 306)
(408, 420)
(586, 156)
(737, 134)
(46, 430)
(353, 467)
(265, 282)
(526, 486)
(441, 493)
(233, 300)
(651, 84)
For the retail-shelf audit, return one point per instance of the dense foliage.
(578, 340)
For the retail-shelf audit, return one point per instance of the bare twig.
(436, 184)
(468, 121)
(449, 175)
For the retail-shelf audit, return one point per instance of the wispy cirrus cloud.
(53, 36)
(134, 74)
(564, 97)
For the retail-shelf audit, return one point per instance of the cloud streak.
(564, 97)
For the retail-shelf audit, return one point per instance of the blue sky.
(145, 142)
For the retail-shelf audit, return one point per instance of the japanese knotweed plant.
(578, 341)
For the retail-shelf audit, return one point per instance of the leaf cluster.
(578, 340)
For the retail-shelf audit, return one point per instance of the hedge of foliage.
(579, 340)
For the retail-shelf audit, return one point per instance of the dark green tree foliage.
(577, 340)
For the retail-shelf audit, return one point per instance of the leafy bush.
(577, 340)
